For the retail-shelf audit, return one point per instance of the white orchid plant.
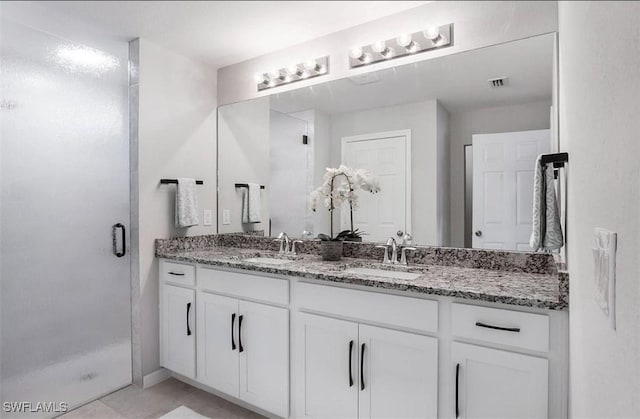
(340, 186)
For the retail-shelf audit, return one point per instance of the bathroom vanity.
(292, 336)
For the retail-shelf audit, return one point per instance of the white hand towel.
(252, 204)
(186, 203)
(547, 231)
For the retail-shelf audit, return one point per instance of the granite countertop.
(542, 290)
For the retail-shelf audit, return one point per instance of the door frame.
(386, 135)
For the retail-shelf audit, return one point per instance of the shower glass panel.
(64, 174)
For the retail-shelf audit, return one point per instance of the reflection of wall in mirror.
(243, 157)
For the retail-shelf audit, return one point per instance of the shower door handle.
(114, 240)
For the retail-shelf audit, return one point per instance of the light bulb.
(292, 69)
(271, 83)
(355, 53)
(432, 34)
(322, 69)
(413, 47)
(259, 78)
(366, 58)
(274, 74)
(310, 65)
(287, 78)
(404, 40)
(388, 53)
(305, 74)
(379, 46)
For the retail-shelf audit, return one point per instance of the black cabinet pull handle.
(457, 381)
(241, 349)
(188, 326)
(506, 329)
(350, 358)
(115, 240)
(233, 340)
(362, 367)
(175, 273)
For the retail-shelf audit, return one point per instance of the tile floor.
(135, 403)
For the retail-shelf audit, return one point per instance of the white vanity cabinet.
(359, 352)
(178, 340)
(492, 383)
(365, 370)
(242, 346)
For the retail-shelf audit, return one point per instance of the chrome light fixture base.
(293, 73)
(402, 45)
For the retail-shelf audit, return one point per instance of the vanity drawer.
(178, 273)
(241, 285)
(505, 327)
(394, 310)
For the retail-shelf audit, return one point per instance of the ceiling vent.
(365, 78)
(498, 82)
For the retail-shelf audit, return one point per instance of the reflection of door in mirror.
(503, 167)
(386, 155)
(289, 164)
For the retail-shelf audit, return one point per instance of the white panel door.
(499, 384)
(503, 167)
(327, 382)
(399, 375)
(178, 347)
(383, 214)
(218, 349)
(264, 357)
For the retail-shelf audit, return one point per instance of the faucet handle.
(281, 241)
(403, 257)
(293, 246)
(386, 253)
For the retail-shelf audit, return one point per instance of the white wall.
(476, 25)
(243, 156)
(464, 124)
(420, 118)
(177, 138)
(599, 127)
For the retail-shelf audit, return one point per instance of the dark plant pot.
(331, 250)
(353, 239)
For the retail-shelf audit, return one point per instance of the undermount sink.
(383, 273)
(268, 261)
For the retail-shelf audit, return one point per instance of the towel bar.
(244, 185)
(168, 181)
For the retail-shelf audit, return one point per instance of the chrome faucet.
(394, 248)
(283, 238)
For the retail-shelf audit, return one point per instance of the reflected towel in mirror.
(251, 204)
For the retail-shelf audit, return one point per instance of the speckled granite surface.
(508, 286)
(425, 255)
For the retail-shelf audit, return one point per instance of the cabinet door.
(178, 348)
(264, 356)
(399, 374)
(325, 385)
(218, 346)
(498, 384)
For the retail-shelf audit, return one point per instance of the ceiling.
(459, 81)
(218, 33)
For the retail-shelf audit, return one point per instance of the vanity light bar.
(293, 73)
(402, 45)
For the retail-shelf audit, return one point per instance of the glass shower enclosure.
(65, 336)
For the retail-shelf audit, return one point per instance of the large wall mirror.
(452, 142)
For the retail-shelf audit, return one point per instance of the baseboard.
(155, 377)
